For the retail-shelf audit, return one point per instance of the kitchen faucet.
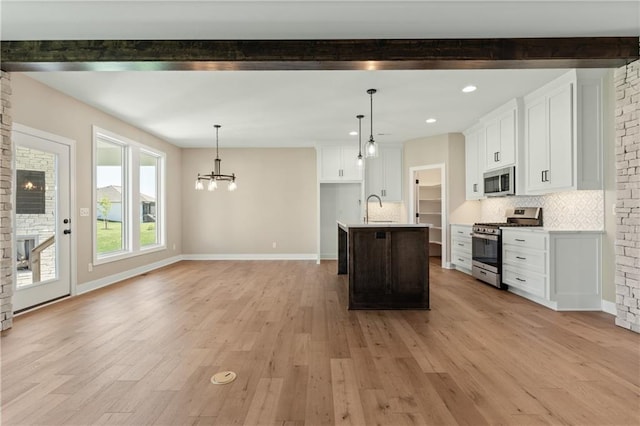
(366, 206)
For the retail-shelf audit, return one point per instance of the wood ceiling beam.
(383, 54)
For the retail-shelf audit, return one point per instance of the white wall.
(275, 202)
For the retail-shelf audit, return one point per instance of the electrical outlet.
(90, 267)
(84, 211)
(274, 244)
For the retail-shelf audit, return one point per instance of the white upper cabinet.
(384, 174)
(338, 163)
(500, 136)
(474, 160)
(563, 134)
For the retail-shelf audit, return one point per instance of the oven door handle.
(485, 237)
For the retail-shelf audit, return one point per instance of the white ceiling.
(294, 108)
(241, 19)
(300, 108)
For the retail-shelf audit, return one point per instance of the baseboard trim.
(121, 276)
(609, 307)
(262, 256)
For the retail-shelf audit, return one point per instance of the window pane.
(149, 201)
(111, 226)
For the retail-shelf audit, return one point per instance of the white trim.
(444, 207)
(71, 143)
(544, 302)
(275, 256)
(609, 307)
(120, 276)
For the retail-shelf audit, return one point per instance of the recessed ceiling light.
(353, 133)
(470, 88)
(431, 120)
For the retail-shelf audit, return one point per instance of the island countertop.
(347, 226)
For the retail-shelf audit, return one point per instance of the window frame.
(130, 197)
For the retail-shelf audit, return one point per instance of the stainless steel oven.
(486, 240)
(487, 257)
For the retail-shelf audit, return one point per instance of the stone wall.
(38, 226)
(6, 190)
(627, 82)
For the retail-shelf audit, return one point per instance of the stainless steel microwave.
(501, 182)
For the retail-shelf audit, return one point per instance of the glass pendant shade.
(213, 185)
(232, 186)
(199, 185)
(360, 161)
(371, 150)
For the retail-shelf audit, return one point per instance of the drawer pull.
(518, 239)
(461, 260)
(521, 258)
(461, 245)
(460, 232)
(521, 280)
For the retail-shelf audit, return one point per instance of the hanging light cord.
(360, 117)
(371, 92)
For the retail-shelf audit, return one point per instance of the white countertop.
(347, 226)
(551, 230)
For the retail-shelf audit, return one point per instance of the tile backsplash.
(573, 210)
(389, 211)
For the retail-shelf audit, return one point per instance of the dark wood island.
(388, 265)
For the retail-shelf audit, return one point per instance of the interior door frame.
(71, 144)
(444, 207)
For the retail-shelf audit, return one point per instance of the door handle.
(66, 231)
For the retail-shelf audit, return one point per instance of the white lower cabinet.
(558, 269)
(461, 248)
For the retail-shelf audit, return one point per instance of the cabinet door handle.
(521, 280)
(518, 239)
(542, 176)
(546, 175)
(475, 187)
(521, 258)
(498, 155)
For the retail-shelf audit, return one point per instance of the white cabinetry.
(339, 163)
(563, 134)
(474, 161)
(559, 269)
(501, 136)
(384, 174)
(461, 248)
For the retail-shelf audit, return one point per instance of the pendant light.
(215, 175)
(360, 161)
(371, 150)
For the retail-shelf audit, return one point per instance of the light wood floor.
(143, 352)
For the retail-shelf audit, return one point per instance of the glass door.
(42, 221)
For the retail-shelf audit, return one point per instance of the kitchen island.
(387, 263)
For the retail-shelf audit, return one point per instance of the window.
(128, 189)
(149, 180)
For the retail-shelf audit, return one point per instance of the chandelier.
(215, 175)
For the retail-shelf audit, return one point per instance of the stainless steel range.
(487, 243)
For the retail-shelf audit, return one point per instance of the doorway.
(42, 217)
(428, 204)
